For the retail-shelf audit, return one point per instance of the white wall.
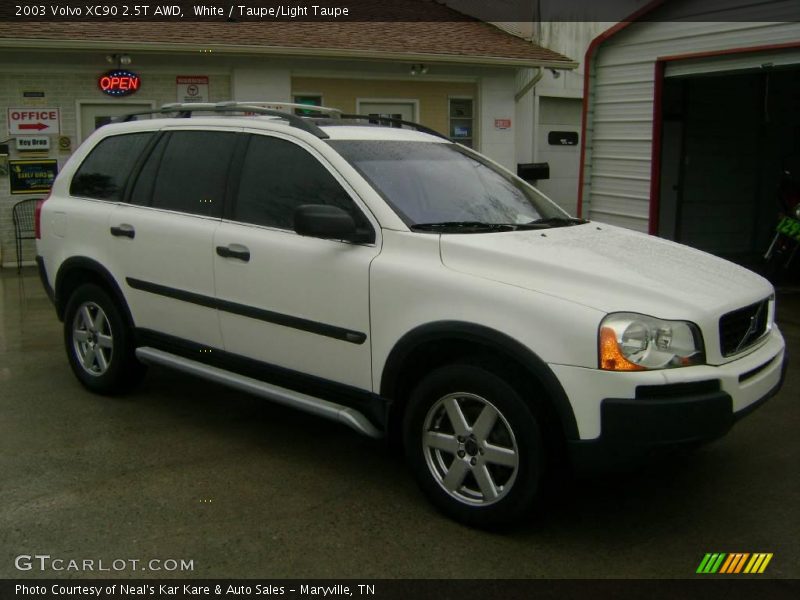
(497, 102)
(265, 84)
(570, 39)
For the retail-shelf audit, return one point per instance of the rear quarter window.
(104, 173)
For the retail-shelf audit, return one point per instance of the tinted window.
(105, 171)
(278, 176)
(192, 173)
(142, 192)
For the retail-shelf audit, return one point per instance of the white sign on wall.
(30, 121)
(192, 88)
(29, 143)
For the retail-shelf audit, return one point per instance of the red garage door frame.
(660, 69)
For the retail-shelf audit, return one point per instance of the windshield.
(431, 184)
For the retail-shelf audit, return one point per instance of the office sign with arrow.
(32, 121)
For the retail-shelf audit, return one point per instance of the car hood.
(607, 268)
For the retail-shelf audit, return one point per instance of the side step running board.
(316, 406)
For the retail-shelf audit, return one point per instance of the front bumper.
(635, 430)
(626, 417)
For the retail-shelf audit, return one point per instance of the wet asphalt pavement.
(183, 469)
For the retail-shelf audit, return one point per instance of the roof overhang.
(289, 51)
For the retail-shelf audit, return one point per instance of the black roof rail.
(393, 121)
(185, 110)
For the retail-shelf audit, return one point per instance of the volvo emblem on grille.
(751, 328)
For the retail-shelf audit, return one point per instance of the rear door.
(97, 186)
(162, 238)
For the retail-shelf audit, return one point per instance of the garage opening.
(725, 138)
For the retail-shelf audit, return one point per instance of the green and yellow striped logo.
(734, 563)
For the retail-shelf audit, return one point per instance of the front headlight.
(633, 342)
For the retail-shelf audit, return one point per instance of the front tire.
(99, 343)
(474, 445)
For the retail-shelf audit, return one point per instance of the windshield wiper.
(461, 227)
(554, 222)
(481, 227)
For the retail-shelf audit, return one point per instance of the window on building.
(187, 172)
(376, 119)
(310, 100)
(462, 122)
(104, 173)
(278, 176)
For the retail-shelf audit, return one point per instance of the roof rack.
(393, 121)
(260, 108)
(334, 112)
(275, 109)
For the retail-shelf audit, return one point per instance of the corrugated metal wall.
(620, 114)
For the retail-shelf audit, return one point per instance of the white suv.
(401, 284)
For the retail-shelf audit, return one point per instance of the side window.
(187, 172)
(103, 173)
(278, 176)
(142, 192)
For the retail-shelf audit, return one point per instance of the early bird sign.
(30, 121)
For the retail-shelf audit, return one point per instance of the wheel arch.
(76, 271)
(434, 344)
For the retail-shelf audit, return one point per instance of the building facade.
(462, 78)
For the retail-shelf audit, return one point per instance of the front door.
(300, 303)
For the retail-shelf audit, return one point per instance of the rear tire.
(474, 446)
(99, 343)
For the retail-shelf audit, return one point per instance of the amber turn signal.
(611, 358)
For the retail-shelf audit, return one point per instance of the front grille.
(740, 329)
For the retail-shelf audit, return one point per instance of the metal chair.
(23, 216)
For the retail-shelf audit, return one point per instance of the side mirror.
(326, 222)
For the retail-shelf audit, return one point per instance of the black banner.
(399, 10)
(707, 588)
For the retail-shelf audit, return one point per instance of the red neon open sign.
(119, 82)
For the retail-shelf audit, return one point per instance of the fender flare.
(493, 339)
(83, 263)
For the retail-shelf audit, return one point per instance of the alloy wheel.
(92, 338)
(470, 449)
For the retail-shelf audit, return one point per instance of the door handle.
(234, 251)
(123, 230)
